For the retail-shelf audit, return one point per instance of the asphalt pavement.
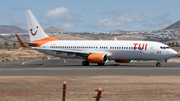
(73, 67)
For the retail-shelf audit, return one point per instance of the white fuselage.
(117, 50)
(95, 51)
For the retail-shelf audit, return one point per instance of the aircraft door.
(152, 49)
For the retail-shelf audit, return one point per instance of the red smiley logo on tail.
(32, 32)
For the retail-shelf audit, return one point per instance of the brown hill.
(11, 29)
(97, 37)
(118, 31)
(173, 26)
(53, 29)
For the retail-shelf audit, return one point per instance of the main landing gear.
(158, 64)
(100, 64)
(85, 63)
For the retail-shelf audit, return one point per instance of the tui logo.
(35, 32)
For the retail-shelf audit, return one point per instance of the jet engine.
(123, 61)
(97, 58)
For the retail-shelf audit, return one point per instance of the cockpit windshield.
(164, 47)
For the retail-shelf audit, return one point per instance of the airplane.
(95, 51)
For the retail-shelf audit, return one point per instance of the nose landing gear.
(158, 64)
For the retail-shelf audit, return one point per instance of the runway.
(74, 68)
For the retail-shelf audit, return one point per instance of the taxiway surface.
(74, 68)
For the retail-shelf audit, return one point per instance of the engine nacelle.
(123, 61)
(97, 58)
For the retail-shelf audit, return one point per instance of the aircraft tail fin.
(36, 32)
(37, 35)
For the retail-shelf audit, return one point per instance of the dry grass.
(24, 54)
(82, 88)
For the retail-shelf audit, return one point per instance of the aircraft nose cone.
(173, 53)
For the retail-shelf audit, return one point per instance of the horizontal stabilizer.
(19, 49)
(20, 42)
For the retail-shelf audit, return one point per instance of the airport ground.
(35, 78)
(41, 80)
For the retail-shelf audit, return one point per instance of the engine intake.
(97, 58)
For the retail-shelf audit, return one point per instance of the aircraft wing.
(72, 52)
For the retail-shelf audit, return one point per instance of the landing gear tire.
(100, 64)
(158, 64)
(85, 63)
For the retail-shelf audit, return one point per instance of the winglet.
(20, 42)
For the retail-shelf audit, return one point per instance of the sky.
(93, 15)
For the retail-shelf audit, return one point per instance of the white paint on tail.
(35, 30)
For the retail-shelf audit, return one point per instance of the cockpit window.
(164, 47)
